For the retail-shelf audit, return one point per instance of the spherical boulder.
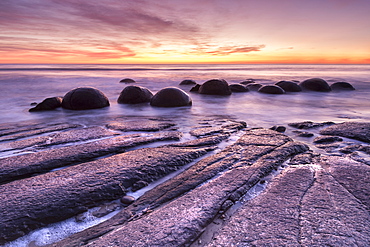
(48, 104)
(188, 82)
(171, 97)
(315, 84)
(238, 88)
(195, 88)
(248, 81)
(127, 80)
(215, 87)
(338, 86)
(84, 98)
(289, 86)
(254, 86)
(271, 89)
(134, 95)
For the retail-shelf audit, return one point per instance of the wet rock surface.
(84, 98)
(289, 86)
(305, 206)
(215, 87)
(135, 95)
(315, 84)
(48, 104)
(171, 97)
(231, 185)
(354, 130)
(271, 89)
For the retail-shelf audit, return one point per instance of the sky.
(185, 31)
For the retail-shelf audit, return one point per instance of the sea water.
(22, 85)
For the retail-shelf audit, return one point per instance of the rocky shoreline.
(314, 181)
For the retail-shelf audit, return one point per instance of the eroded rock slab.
(225, 128)
(306, 206)
(31, 203)
(68, 136)
(175, 212)
(22, 132)
(354, 130)
(140, 125)
(309, 124)
(21, 166)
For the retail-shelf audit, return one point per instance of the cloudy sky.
(185, 31)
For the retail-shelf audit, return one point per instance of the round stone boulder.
(289, 86)
(48, 104)
(248, 81)
(195, 88)
(339, 86)
(127, 80)
(134, 95)
(254, 86)
(188, 82)
(238, 88)
(171, 97)
(84, 98)
(215, 87)
(315, 84)
(271, 89)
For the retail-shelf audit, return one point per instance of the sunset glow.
(185, 31)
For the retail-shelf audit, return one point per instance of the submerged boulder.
(84, 98)
(127, 80)
(338, 86)
(271, 89)
(289, 86)
(215, 87)
(248, 81)
(315, 84)
(238, 88)
(188, 82)
(135, 95)
(195, 88)
(48, 104)
(171, 97)
(253, 86)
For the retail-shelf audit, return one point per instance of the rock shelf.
(317, 199)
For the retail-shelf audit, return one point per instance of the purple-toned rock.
(248, 81)
(48, 104)
(271, 89)
(254, 86)
(315, 84)
(135, 95)
(289, 86)
(195, 88)
(339, 86)
(215, 87)
(127, 80)
(171, 97)
(84, 98)
(127, 200)
(238, 88)
(188, 82)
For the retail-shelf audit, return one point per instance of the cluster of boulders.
(221, 87)
(83, 98)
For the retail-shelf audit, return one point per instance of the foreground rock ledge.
(176, 212)
(34, 202)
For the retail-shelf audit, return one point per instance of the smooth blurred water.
(23, 84)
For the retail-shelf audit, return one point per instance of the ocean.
(22, 85)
